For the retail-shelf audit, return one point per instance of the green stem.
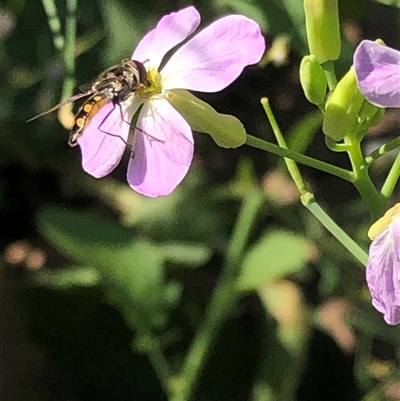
(291, 165)
(69, 50)
(375, 203)
(160, 366)
(335, 146)
(382, 150)
(308, 199)
(310, 203)
(392, 178)
(222, 300)
(54, 23)
(330, 74)
(299, 158)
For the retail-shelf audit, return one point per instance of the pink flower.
(383, 269)
(378, 73)
(163, 144)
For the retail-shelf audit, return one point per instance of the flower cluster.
(377, 69)
(163, 142)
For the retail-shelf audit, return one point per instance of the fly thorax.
(125, 91)
(108, 92)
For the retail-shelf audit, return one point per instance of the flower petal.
(216, 56)
(162, 153)
(101, 152)
(378, 73)
(171, 30)
(383, 272)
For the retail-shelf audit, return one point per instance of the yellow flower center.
(153, 86)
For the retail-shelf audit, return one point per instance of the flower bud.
(313, 80)
(342, 108)
(367, 110)
(227, 131)
(323, 30)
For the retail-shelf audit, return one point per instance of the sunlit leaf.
(275, 255)
(285, 341)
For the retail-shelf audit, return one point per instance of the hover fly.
(115, 85)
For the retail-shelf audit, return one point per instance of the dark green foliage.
(127, 277)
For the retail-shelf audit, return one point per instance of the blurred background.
(94, 277)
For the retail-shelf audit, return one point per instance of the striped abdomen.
(85, 114)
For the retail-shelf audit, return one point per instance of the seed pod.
(226, 130)
(323, 29)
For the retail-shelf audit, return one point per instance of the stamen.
(154, 87)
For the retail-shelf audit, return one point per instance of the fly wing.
(104, 139)
(86, 87)
(63, 103)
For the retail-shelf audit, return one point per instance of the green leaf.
(124, 28)
(286, 338)
(132, 271)
(249, 8)
(87, 239)
(187, 254)
(295, 12)
(303, 132)
(136, 284)
(276, 254)
(276, 18)
(367, 320)
(393, 3)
